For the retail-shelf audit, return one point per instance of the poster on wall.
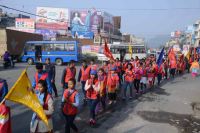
(85, 20)
(52, 18)
(186, 49)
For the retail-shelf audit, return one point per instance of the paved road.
(174, 107)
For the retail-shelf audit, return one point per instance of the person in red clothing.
(83, 76)
(105, 67)
(93, 66)
(92, 94)
(151, 75)
(143, 80)
(68, 73)
(102, 83)
(119, 70)
(138, 73)
(128, 81)
(166, 67)
(160, 73)
(70, 103)
(5, 119)
(112, 84)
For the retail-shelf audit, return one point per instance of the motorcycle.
(8, 63)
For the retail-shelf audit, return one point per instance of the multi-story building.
(197, 33)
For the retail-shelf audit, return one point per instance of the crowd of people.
(101, 85)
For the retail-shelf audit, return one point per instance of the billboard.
(108, 22)
(85, 20)
(47, 34)
(82, 34)
(90, 49)
(24, 23)
(52, 18)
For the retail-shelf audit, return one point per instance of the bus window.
(59, 47)
(48, 47)
(69, 47)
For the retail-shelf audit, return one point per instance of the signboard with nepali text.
(24, 23)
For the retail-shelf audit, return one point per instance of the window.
(59, 47)
(69, 47)
(48, 47)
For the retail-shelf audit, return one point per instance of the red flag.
(5, 122)
(107, 52)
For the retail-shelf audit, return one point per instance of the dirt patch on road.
(185, 123)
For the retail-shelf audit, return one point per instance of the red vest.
(91, 93)
(5, 122)
(69, 75)
(103, 84)
(43, 77)
(129, 75)
(118, 64)
(45, 106)
(68, 108)
(85, 73)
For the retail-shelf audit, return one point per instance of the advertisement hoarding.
(47, 34)
(24, 23)
(52, 18)
(82, 34)
(85, 20)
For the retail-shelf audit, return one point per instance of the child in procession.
(128, 81)
(92, 94)
(102, 83)
(46, 100)
(112, 85)
(70, 103)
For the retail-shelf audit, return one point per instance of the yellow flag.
(20, 93)
(130, 50)
(188, 55)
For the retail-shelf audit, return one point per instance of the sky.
(144, 18)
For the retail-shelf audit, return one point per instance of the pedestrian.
(143, 80)
(150, 75)
(194, 68)
(165, 65)
(70, 104)
(128, 81)
(41, 75)
(105, 67)
(160, 73)
(173, 66)
(83, 76)
(102, 84)
(51, 70)
(46, 100)
(93, 66)
(119, 70)
(112, 85)
(138, 74)
(68, 73)
(5, 119)
(92, 94)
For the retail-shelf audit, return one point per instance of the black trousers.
(159, 77)
(137, 85)
(70, 123)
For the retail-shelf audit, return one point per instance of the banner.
(160, 58)
(20, 93)
(52, 18)
(130, 50)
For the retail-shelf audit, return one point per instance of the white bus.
(121, 51)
